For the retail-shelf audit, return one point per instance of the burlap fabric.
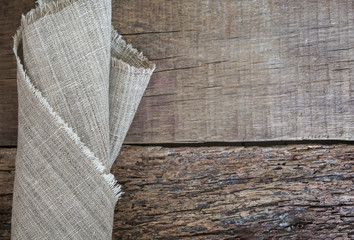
(79, 85)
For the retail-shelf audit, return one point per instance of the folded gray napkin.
(79, 86)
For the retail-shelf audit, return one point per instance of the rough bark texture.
(280, 192)
(226, 70)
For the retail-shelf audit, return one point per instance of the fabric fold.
(79, 86)
(129, 76)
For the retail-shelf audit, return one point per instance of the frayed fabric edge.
(119, 63)
(98, 165)
(145, 65)
(43, 9)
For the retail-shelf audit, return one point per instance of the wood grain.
(243, 70)
(226, 70)
(280, 192)
(10, 15)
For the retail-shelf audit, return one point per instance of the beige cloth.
(79, 85)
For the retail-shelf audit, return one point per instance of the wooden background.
(227, 71)
(282, 192)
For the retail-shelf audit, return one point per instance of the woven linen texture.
(79, 86)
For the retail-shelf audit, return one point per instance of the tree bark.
(225, 192)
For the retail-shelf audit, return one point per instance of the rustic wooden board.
(281, 192)
(226, 70)
(10, 15)
(243, 70)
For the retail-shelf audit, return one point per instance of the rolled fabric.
(79, 86)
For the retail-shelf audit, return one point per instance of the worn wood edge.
(280, 192)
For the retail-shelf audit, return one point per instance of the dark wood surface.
(10, 15)
(226, 70)
(279, 192)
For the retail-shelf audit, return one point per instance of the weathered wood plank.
(243, 70)
(226, 70)
(281, 192)
(10, 15)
